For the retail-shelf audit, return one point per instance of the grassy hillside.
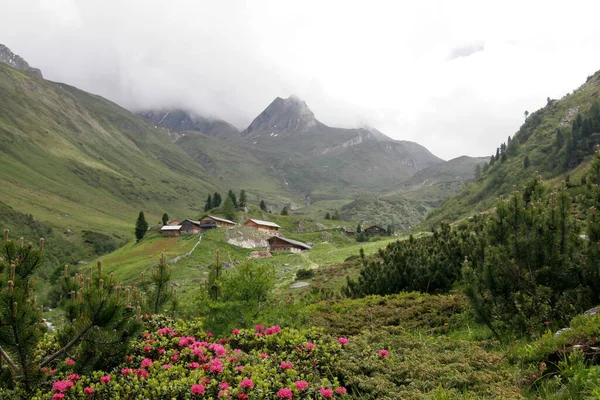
(545, 143)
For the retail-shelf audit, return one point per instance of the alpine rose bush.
(176, 359)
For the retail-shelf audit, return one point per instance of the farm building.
(210, 222)
(265, 226)
(375, 230)
(278, 243)
(174, 222)
(190, 227)
(170, 230)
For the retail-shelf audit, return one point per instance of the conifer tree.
(216, 200)
(358, 228)
(336, 215)
(157, 290)
(263, 205)
(233, 199)
(100, 318)
(209, 203)
(284, 211)
(165, 218)
(243, 200)
(327, 216)
(141, 227)
(229, 208)
(526, 162)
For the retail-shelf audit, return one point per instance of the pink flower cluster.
(383, 353)
(286, 365)
(285, 393)
(272, 330)
(197, 389)
(343, 341)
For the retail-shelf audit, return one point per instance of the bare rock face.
(15, 61)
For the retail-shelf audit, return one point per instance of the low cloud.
(466, 50)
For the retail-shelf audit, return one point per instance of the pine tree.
(284, 211)
(243, 199)
(233, 199)
(141, 227)
(263, 205)
(327, 216)
(99, 318)
(229, 208)
(526, 162)
(358, 228)
(165, 218)
(336, 215)
(157, 290)
(216, 200)
(209, 203)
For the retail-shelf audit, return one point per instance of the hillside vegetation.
(553, 141)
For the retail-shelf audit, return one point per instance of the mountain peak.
(17, 62)
(283, 116)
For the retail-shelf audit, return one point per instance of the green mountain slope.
(553, 142)
(80, 161)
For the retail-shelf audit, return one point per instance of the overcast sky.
(454, 76)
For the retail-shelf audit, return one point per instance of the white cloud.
(354, 62)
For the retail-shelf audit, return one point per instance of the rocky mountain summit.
(17, 62)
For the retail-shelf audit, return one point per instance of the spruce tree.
(243, 200)
(165, 218)
(141, 227)
(336, 215)
(263, 205)
(229, 208)
(284, 211)
(327, 216)
(209, 203)
(233, 199)
(216, 200)
(526, 162)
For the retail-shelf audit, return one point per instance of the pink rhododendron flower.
(247, 383)
(218, 349)
(58, 396)
(142, 373)
(310, 345)
(147, 349)
(166, 366)
(62, 386)
(216, 365)
(301, 385)
(259, 328)
(383, 353)
(209, 335)
(88, 391)
(286, 365)
(223, 393)
(126, 371)
(161, 351)
(258, 334)
(146, 362)
(340, 390)
(73, 377)
(223, 385)
(327, 393)
(264, 355)
(197, 389)
(193, 365)
(105, 379)
(164, 331)
(236, 331)
(273, 330)
(240, 368)
(237, 350)
(242, 396)
(343, 341)
(198, 351)
(285, 393)
(174, 358)
(69, 361)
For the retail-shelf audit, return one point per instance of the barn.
(190, 227)
(211, 222)
(264, 226)
(375, 230)
(279, 243)
(170, 230)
